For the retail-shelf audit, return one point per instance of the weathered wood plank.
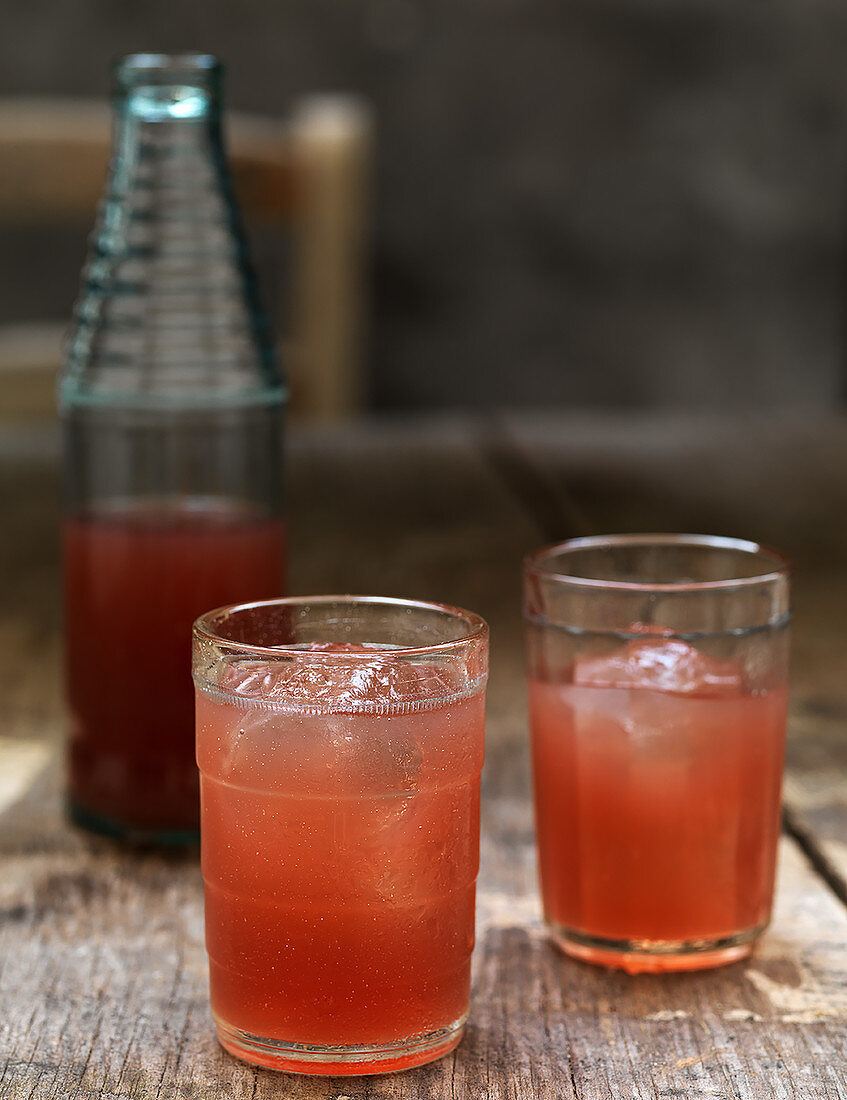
(816, 787)
(778, 480)
(726, 1033)
(29, 685)
(102, 972)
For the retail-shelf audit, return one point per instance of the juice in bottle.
(134, 581)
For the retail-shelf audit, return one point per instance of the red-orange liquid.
(657, 813)
(134, 581)
(340, 854)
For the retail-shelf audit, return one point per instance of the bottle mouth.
(203, 69)
(161, 87)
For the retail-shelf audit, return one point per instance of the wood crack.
(813, 852)
(546, 502)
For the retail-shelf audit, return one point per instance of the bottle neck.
(161, 132)
(180, 100)
(167, 115)
(168, 313)
(163, 87)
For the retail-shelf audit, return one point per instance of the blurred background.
(614, 203)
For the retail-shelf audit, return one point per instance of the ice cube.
(383, 759)
(663, 664)
(345, 717)
(347, 679)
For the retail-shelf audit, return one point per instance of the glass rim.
(782, 566)
(478, 627)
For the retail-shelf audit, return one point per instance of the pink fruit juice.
(657, 785)
(134, 581)
(340, 836)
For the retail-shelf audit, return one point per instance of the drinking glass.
(340, 744)
(657, 670)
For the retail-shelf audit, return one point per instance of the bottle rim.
(201, 69)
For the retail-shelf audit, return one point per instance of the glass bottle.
(171, 401)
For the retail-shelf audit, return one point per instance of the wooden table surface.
(103, 989)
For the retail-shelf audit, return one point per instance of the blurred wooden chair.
(309, 174)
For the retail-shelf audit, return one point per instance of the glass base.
(338, 1060)
(654, 956)
(130, 834)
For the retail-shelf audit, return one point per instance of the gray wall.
(622, 202)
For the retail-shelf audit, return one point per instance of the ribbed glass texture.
(168, 312)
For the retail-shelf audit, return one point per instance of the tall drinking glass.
(340, 744)
(658, 688)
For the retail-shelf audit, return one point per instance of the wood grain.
(103, 989)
